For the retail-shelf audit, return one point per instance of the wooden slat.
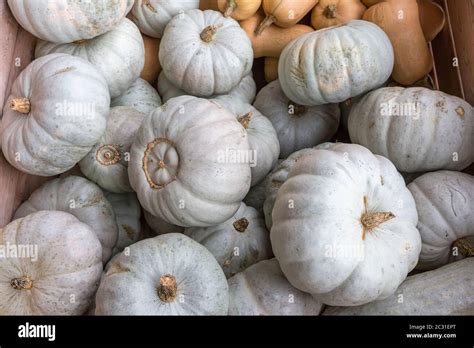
(14, 43)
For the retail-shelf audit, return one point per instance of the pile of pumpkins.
(151, 106)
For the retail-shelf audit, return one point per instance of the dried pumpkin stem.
(244, 120)
(107, 155)
(241, 225)
(464, 247)
(230, 7)
(80, 42)
(21, 105)
(330, 11)
(371, 220)
(268, 20)
(168, 288)
(209, 32)
(22, 283)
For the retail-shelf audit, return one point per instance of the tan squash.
(237, 9)
(369, 3)
(284, 13)
(328, 13)
(432, 18)
(412, 56)
(273, 40)
(152, 66)
(271, 69)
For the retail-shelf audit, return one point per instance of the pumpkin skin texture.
(328, 13)
(237, 9)
(444, 201)
(284, 13)
(353, 222)
(273, 39)
(262, 289)
(352, 58)
(204, 53)
(152, 67)
(262, 136)
(427, 128)
(245, 90)
(50, 133)
(141, 96)
(185, 163)
(83, 199)
(297, 126)
(444, 291)
(237, 243)
(67, 261)
(276, 178)
(127, 214)
(107, 163)
(118, 55)
(66, 21)
(413, 59)
(166, 275)
(152, 16)
(160, 226)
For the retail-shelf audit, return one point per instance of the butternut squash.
(328, 13)
(284, 13)
(273, 40)
(237, 9)
(400, 21)
(369, 3)
(432, 18)
(152, 66)
(271, 69)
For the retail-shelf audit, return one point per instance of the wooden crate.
(17, 47)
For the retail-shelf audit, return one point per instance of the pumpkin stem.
(464, 247)
(20, 105)
(330, 11)
(295, 109)
(168, 288)
(267, 21)
(245, 119)
(230, 6)
(209, 32)
(370, 221)
(22, 283)
(241, 225)
(107, 155)
(80, 42)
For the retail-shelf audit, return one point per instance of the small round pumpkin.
(328, 13)
(262, 289)
(152, 16)
(344, 226)
(418, 129)
(56, 112)
(187, 164)
(107, 163)
(245, 90)
(60, 271)
(166, 275)
(127, 214)
(445, 202)
(205, 53)
(237, 243)
(297, 126)
(263, 140)
(334, 64)
(68, 20)
(81, 198)
(140, 95)
(118, 54)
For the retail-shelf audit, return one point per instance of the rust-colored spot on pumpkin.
(149, 6)
(64, 70)
(116, 268)
(460, 111)
(129, 231)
